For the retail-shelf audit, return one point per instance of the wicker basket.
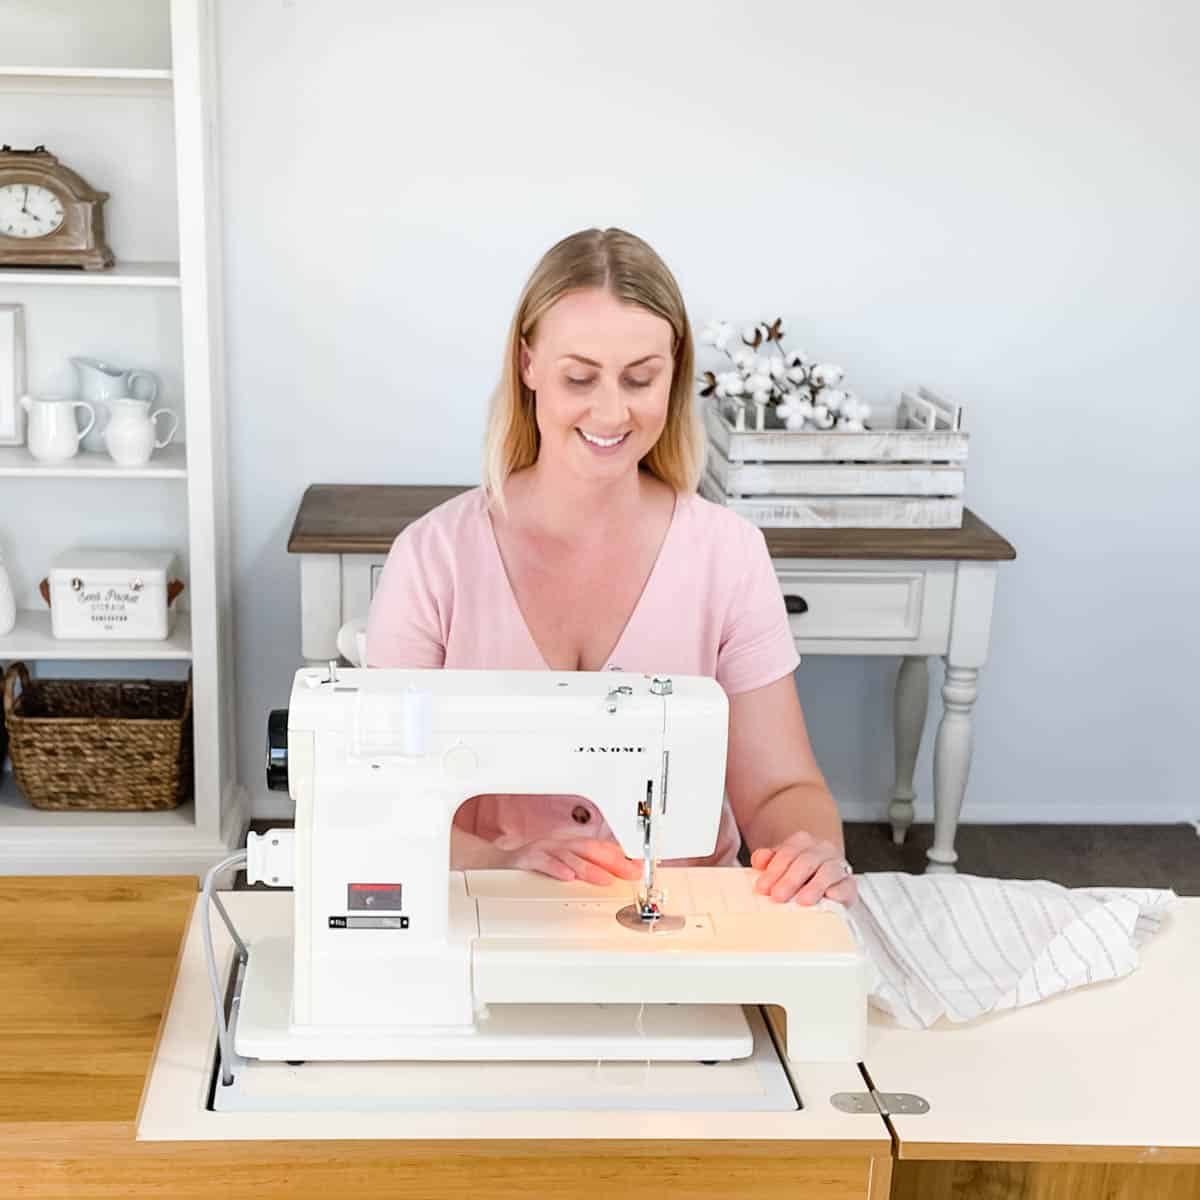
(109, 745)
(3, 739)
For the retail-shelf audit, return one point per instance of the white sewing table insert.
(907, 593)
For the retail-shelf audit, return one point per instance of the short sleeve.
(404, 628)
(756, 642)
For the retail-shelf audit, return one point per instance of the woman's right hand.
(587, 859)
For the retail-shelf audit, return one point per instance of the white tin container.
(114, 594)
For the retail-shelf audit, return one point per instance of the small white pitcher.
(132, 435)
(54, 435)
(100, 383)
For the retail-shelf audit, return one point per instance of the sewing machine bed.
(562, 979)
(756, 1083)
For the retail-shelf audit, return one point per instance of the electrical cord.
(207, 898)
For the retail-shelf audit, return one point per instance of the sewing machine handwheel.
(277, 750)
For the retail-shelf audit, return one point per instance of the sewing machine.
(392, 955)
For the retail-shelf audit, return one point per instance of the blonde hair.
(633, 273)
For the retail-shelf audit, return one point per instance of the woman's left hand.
(802, 869)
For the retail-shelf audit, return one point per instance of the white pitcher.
(100, 383)
(132, 435)
(54, 435)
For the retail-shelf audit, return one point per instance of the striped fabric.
(960, 946)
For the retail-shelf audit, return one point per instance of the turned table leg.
(908, 716)
(970, 630)
(952, 763)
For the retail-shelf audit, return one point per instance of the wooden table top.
(87, 964)
(355, 518)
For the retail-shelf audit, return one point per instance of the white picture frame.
(12, 374)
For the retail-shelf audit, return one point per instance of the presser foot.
(647, 920)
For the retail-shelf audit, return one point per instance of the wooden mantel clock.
(49, 216)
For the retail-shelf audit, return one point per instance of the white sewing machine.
(392, 955)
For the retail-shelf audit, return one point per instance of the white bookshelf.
(161, 311)
(32, 639)
(132, 75)
(109, 81)
(122, 274)
(17, 462)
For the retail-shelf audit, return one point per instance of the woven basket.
(106, 745)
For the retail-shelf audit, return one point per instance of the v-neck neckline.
(515, 604)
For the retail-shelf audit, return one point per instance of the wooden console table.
(908, 593)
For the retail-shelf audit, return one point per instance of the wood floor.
(1073, 855)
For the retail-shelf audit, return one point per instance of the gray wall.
(997, 201)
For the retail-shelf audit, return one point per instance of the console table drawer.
(887, 605)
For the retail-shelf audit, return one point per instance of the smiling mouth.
(603, 443)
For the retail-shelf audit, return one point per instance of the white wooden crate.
(907, 476)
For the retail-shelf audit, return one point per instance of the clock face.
(28, 210)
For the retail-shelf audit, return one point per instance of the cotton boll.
(794, 422)
(716, 333)
(833, 399)
(793, 411)
(856, 410)
(796, 374)
(745, 360)
(827, 375)
(761, 397)
(760, 381)
(822, 417)
(776, 368)
(729, 383)
(797, 358)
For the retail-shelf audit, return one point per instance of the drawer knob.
(796, 604)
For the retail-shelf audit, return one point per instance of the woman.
(587, 548)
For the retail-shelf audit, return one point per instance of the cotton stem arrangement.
(806, 396)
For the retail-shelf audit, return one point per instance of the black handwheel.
(277, 750)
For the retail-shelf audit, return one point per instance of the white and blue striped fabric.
(960, 946)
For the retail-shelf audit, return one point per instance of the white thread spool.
(417, 720)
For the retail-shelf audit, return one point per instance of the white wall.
(998, 201)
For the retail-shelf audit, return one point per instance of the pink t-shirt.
(711, 606)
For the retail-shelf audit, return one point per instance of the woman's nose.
(609, 405)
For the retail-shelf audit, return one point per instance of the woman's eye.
(635, 383)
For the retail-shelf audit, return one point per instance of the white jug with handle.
(54, 435)
(132, 435)
(100, 383)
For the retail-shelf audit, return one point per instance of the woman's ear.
(526, 360)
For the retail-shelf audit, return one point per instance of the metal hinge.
(885, 1104)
